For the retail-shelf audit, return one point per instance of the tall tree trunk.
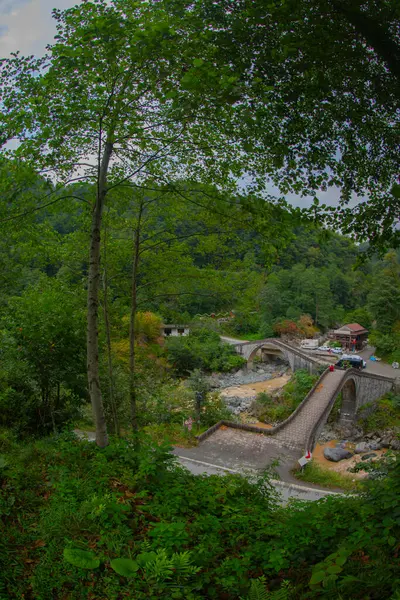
(93, 302)
(132, 331)
(108, 338)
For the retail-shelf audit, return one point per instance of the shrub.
(381, 415)
(80, 522)
(278, 408)
(202, 349)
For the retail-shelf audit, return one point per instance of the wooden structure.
(351, 336)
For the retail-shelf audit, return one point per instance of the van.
(309, 344)
(351, 362)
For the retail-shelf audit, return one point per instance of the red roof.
(355, 327)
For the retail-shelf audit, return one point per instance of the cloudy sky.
(27, 25)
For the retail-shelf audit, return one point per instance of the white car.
(337, 350)
(324, 348)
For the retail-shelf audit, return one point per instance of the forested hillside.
(149, 161)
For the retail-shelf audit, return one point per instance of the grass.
(272, 409)
(174, 434)
(314, 473)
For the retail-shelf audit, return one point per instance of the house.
(352, 336)
(174, 330)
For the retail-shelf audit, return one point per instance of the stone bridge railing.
(295, 356)
(369, 387)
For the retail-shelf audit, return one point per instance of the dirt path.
(248, 390)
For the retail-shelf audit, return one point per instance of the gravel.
(242, 377)
(238, 404)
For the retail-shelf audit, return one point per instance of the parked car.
(337, 350)
(351, 362)
(324, 348)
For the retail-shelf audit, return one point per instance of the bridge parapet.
(294, 356)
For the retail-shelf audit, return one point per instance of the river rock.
(385, 443)
(369, 455)
(362, 447)
(336, 454)
(395, 444)
(375, 445)
(341, 445)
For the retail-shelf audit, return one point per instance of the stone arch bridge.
(272, 347)
(300, 431)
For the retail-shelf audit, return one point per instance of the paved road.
(232, 341)
(236, 451)
(193, 459)
(285, 490)
(378, 368)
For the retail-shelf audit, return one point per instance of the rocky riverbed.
(239, 390)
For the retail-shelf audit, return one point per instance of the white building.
(174, 330)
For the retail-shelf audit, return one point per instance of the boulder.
(385, 443)
(395, 444)
(362, 447)
(336, 454)
(369, 455)
(375, 445)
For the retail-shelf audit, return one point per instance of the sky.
(27, 26)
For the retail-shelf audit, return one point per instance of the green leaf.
(124, 566)
(396, 190)
(333, 569)
(317, 577)
(198, 62)
(81, 558)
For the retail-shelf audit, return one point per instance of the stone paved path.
(297, 430)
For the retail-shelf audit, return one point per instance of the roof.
(353, 327)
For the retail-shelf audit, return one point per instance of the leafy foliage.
(202, 349)
(278, 408)
(65, 506)
(81, 558)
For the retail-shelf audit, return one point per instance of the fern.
(258, 591)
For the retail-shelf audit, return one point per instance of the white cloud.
(27, 25)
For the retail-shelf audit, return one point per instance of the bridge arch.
(348, 408)
(268, 352)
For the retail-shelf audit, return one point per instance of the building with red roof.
(352, 336)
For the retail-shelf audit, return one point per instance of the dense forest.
(138, 155)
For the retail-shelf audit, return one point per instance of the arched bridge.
(300, 431)
(273, 347)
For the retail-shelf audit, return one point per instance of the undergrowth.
(273, 409)
(78, 522)
(315, 473)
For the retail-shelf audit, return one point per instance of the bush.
(80, 522)
(244, 322)
(42, 376)
(202, 349)
(278, 408)
(381, 415)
